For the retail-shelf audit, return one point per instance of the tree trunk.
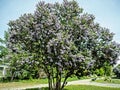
(58, 83)
(58, 80)
(47, 71)
(12, 77)
(50, 83)
(64, 83)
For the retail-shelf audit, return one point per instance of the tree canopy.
(3, 49)
(62, 40)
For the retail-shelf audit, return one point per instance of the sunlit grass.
(81, 87)
(22, 83)
(88, 87)
(115, 81)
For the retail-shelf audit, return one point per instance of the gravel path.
(78, 82)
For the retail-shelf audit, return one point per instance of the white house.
(3, 70)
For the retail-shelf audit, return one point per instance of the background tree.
(62, 41)
(3, 49)
(116, 70)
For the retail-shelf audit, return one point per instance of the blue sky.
(107, 12)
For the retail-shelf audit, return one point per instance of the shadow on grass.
(45, 88)
(115, 78)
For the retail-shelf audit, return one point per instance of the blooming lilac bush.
(63, 40)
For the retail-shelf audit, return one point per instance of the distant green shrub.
(116, 70)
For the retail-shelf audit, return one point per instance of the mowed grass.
(23, 83)
(115, 81)
(81, 87)
(88, 87)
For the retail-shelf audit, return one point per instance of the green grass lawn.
(22, 83)
(115, 81)
(88, 87)
(81, 87)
